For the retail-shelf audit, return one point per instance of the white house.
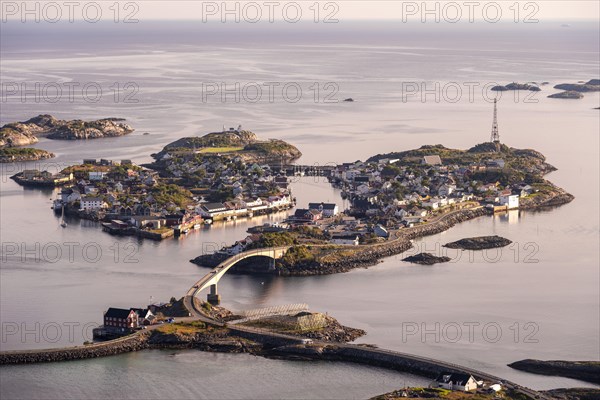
(328, 209)
(511, 201)
(253, 203)
(434, 204)
(446, 190)
(96, 175)
(92, 203)
(455, 381)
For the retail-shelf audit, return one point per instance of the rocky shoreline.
(588, 371)
(12, 154)
(555, 197)
(573, 393)
(362, 257)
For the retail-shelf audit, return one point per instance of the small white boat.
(63, 223)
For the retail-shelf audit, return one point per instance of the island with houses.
(393, 198)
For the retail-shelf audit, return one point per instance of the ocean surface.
(538, 298)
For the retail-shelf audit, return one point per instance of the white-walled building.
(511, 201)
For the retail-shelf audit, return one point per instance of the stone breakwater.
(118, 346)
(371, 255)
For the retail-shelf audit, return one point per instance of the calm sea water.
(537, 299)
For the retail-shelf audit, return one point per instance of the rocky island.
(516, 86)
(426, 259)
(588, 371)
(26, 133)
(593, 85)
(18, 154)
(232, 143)
(192, 161)
(569, 94)
(479, 243)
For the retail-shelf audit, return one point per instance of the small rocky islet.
(516, 86)
(575, 90)
(17, 134)
(479, 243)
(588, 371)
(426, 259)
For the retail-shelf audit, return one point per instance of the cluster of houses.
(249, 207)
(122, 192)
(406, 194)
(36, 177)
(123, 321)
(124, 195)
(314, 212)
(463, 382)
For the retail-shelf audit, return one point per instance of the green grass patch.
(184, 328)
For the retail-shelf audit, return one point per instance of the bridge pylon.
(213, 296)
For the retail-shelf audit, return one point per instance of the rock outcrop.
(569, 94)
(593, 85)
(588, 371)
(479, 243)
(15, 154)
(25, 133)
(426, 259)
(516, 86)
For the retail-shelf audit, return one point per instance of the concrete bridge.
(212, 278)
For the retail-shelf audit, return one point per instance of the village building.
(456, 381)
(120, 320)
(328, 209)
(345, 239)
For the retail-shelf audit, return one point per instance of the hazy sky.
(304, 10)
